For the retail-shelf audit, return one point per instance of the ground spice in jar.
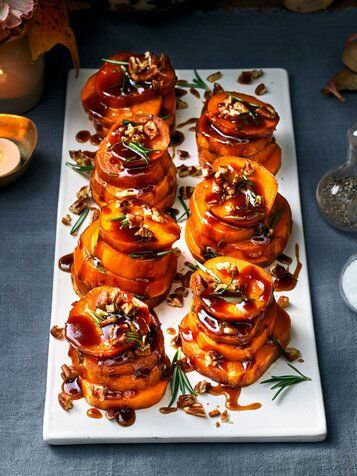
(338, 200)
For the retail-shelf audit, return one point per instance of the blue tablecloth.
(309, 48)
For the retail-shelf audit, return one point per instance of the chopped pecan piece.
(195, 93)
(186, 401)
(66, 220)
(79, 205)
(196, 409)
(186, 191)
(65, 401)
(57, 332)
(181, 104)
(181, 291)
(68, 372)
(260, 89)
(202, 387)
(283, 301)
(174, 300)
(212, 78)
(214, 413)
(150, 129)
(246, 77)
(225, 417)
(144, 232)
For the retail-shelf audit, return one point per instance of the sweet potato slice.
(231, 289)
(88, 272)
(263, 184)
(89, 334)
(228, 351)
(239, 374)
(135, 400)
(128, 238)
(241, 115)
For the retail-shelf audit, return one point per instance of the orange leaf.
(49, 26)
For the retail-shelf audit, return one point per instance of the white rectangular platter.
(298, 415)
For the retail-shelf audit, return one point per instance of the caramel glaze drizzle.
(232, 394)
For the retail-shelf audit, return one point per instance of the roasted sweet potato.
(241, 115)
(142, 268)
(238, 373)
(234, 124)
(236, 211)
(116, 346)
(133, 161)
(119, 90)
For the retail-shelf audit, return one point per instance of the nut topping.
(65, 401)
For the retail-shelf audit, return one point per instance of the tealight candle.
(10, 156)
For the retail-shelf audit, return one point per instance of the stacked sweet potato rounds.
(117, 348)
(127, 84)
(129, 246)
(237, 211)
(235, 124)
(133, 160)
(228, 333)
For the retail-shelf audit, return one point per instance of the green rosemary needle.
(80, 220)
(139, 149)
(283, 382)
(112, 61)
(208, 271)
(123, 219)
(186, 212)
(197, 83)
(80, 168)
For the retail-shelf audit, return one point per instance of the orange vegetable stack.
(130, 247)
(133, 160)
(130, 83)
(117, 348)
(237, 211)
(235, 124)
(229, 333)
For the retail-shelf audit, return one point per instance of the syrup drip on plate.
(94, 413)
(65, 263)
(126, 417)
(232, 395)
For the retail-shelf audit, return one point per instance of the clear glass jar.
(336, 192)
(21, 79)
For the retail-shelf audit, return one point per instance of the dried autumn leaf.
(49, 26)
(349, 55)
(345, 80)
(307, 6)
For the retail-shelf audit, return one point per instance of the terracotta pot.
(21, 79)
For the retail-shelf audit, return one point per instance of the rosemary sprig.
(112, 61)
(197, 83)
(246, 103)
(123, 220)
(186, 212)
(144, 254)
(139, 149)
(133, 336)
(126, 122)
(282, 382)
(95, 318)
(80, 220)
(179, 379)
(80, 168)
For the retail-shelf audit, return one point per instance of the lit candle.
(10, 156)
